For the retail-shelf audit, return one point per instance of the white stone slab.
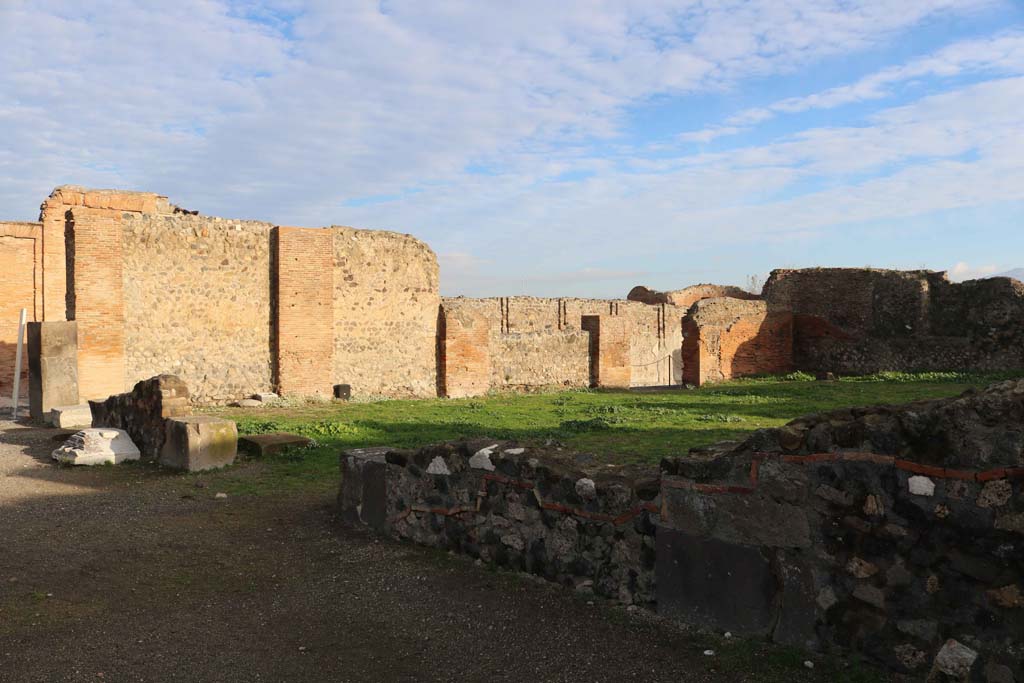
(69, 417)
(97, 446)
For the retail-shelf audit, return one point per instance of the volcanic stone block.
(722, 586)
(52, 366)
(97, 447)
(272, 444)
(363, 496)
(199, 442)
(66, 417)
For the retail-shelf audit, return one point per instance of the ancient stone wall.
(197, 303)
(20, 272)
(726, 338)
(541, 342)
(385, 313)
(894, 531)
(500, 503)
(865, 320)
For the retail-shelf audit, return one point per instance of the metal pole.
(17, 364)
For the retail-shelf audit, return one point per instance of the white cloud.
(963, 271)
(1002, 54)
(288, 113)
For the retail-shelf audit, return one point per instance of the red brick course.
(305, 311)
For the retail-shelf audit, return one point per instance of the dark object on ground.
(261, 445)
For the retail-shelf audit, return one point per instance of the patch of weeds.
(718, 417)
(595, 424)
(258, 426)
(798, 376)
(328, 429)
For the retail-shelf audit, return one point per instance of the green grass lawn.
(615, 426)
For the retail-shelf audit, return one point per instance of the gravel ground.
(130, 574)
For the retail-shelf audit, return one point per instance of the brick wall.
(305, 311)
(465, 358)
(610, 366)
(20, 256)
(727, 338)
(95, 299)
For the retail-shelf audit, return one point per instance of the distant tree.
(755, 283)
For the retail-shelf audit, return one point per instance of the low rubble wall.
(143, 411)
(895, 531)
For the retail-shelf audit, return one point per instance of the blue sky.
(573, 148)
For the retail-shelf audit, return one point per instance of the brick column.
(465, 353)
(609, 351)
(95, 299)
(304, 280)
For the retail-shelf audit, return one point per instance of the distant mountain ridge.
(1017, 273)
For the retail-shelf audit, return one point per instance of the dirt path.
(130, 574)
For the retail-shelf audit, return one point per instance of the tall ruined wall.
(197, 303)
(727, 338)
(865, 320)
(386, 301)
(20, 272)
(540, 342)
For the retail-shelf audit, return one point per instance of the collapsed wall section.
(385, 313)
(727, 338)
(687, 296)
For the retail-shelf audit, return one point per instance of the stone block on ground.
(97, 446)
(66, 417)
(265, 397)
(272, 444)
(363, 495)
(246, 403)
(199, 442)
(52, 366)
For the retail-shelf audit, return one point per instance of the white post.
(17, 364)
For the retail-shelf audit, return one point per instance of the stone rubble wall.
(143, 411)
(197, 303)
(386, 302)
(861, 321)
(499, 503)
(893, 531)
